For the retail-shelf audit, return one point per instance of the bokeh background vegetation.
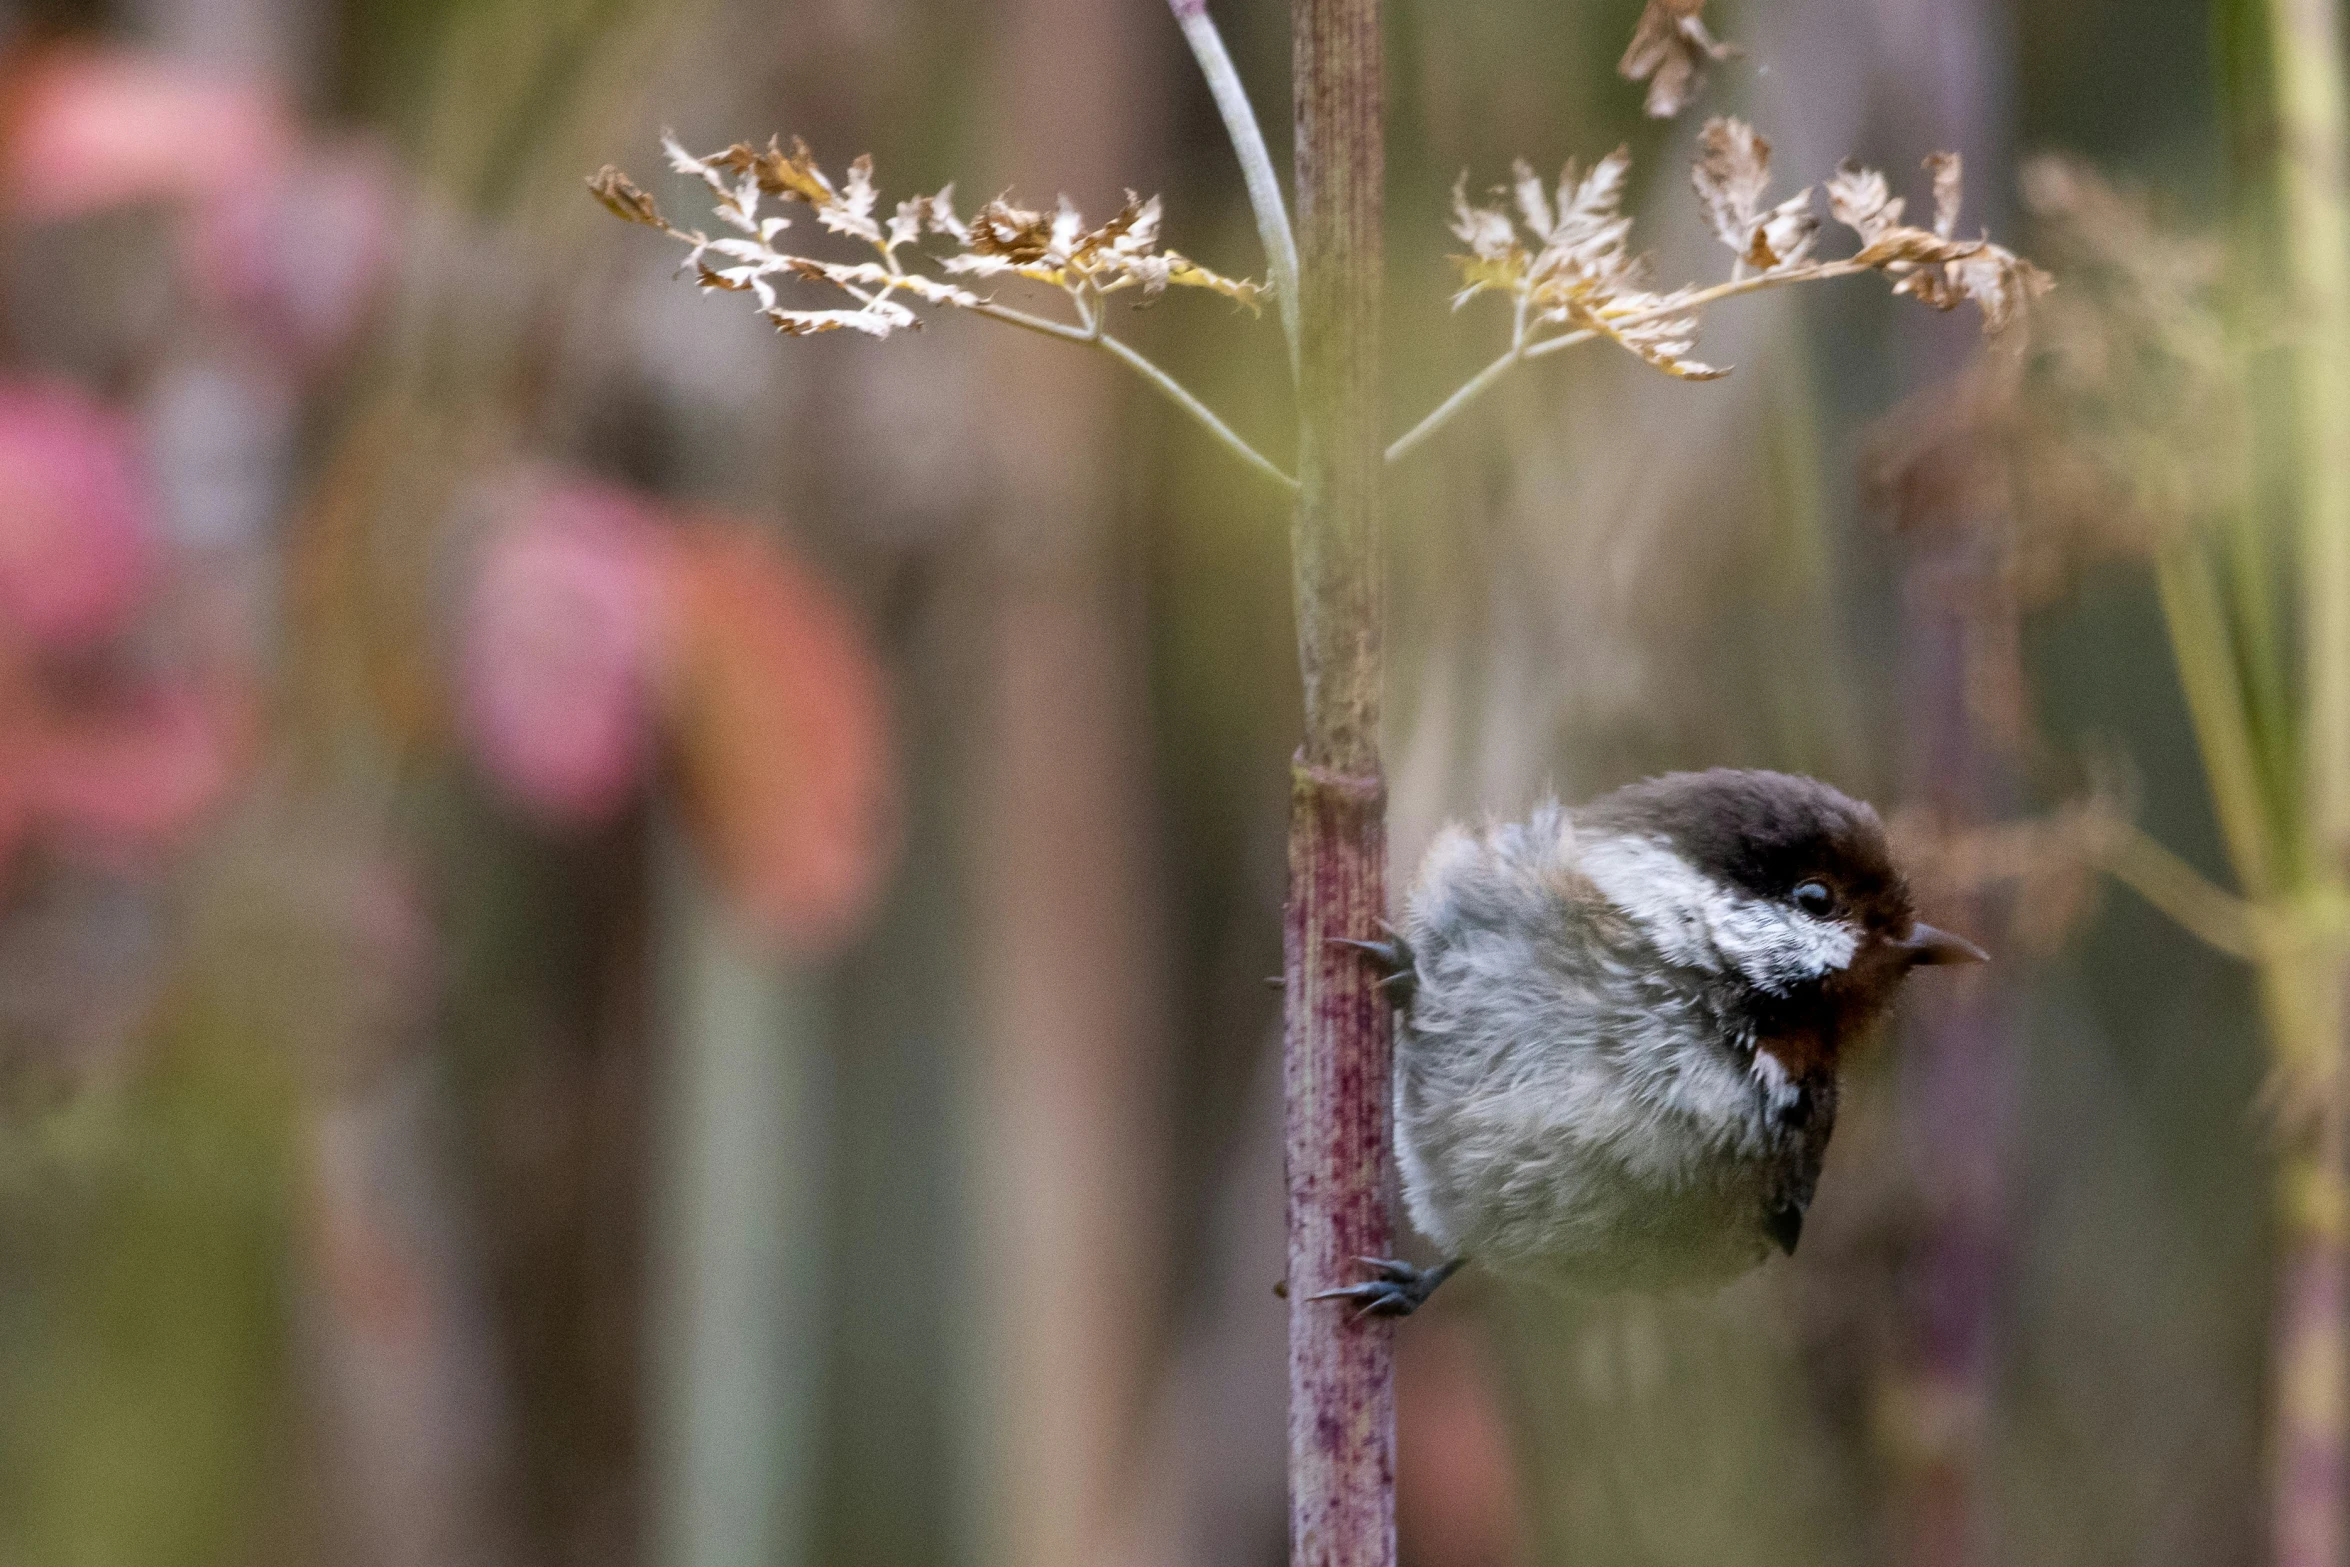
(625, 941)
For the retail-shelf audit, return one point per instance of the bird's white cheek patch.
(1660, 892)
(1696, 921)
(1779, 949)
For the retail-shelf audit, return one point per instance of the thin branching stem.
(1551, 345)
(1176, 393)
(1091, 334)
(1044, 324)
(1812, 272)
(1256, 163)
(2194, 618)
(1466, 393)
(1520, 350)
(2208, 912)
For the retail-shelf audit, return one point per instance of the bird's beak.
(1926, 946)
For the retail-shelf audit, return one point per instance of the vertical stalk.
(2307, 1514)
(2305, 53)
(1063, 1128)
(738, 1266)
(1958, 1072)
(1339, 1041)
(1959, 1059)
(2307, 1371)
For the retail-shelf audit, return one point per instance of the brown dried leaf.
(793, 175)
(1578, 271)
(1860, 200)
(1659, 328)
(624, 200)
(1945, 167)
(1055, 248)
(1590, 205)
(1017, 235)
(1730, 176)
(2001, 283)
(877, 319)
(1903, 247)
(1670, 50)
(1487, 231)
(1934, 266)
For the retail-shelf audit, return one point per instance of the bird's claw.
(1397, 1290)
(1399, 971)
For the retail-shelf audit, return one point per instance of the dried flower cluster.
(1670, 50)
(1934, 266)
(1569, 265)
(1730, 176)
(2122, 424)
(1579, 271)
(1054, 248)
(2139, 400)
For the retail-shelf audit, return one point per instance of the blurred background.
(627, 941)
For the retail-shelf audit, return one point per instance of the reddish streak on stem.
(1341, 1372)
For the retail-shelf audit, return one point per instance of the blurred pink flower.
(779, 715)
(101, 758)
(290, 241)
(77, 543)
(600, 634)
(116, 775)
(87, 129)
(560, 645)
(298, 260)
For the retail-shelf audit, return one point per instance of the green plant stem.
(2211, 914)
(2306, 57)
(1170, 388)
(2311, 1434)
(2196, 624)
(1256, 163)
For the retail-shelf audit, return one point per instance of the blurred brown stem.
(1339, 1043)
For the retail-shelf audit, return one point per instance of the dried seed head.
(1670, 50)
(1055, 248)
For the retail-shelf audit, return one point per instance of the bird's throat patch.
(1802, 1053)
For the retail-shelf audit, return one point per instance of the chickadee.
(1619, 1028)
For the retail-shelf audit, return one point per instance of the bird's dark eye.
(1813, 897)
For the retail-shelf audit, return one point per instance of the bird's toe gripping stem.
(1399, 972)
(1396, 1289)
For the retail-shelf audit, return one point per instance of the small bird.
(1619, 1028)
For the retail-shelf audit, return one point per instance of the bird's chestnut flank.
(1619, 1028)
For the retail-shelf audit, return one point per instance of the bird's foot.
(1397, 1289)
(1398, 966)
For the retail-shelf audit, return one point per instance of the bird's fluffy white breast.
(1558, 1111)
